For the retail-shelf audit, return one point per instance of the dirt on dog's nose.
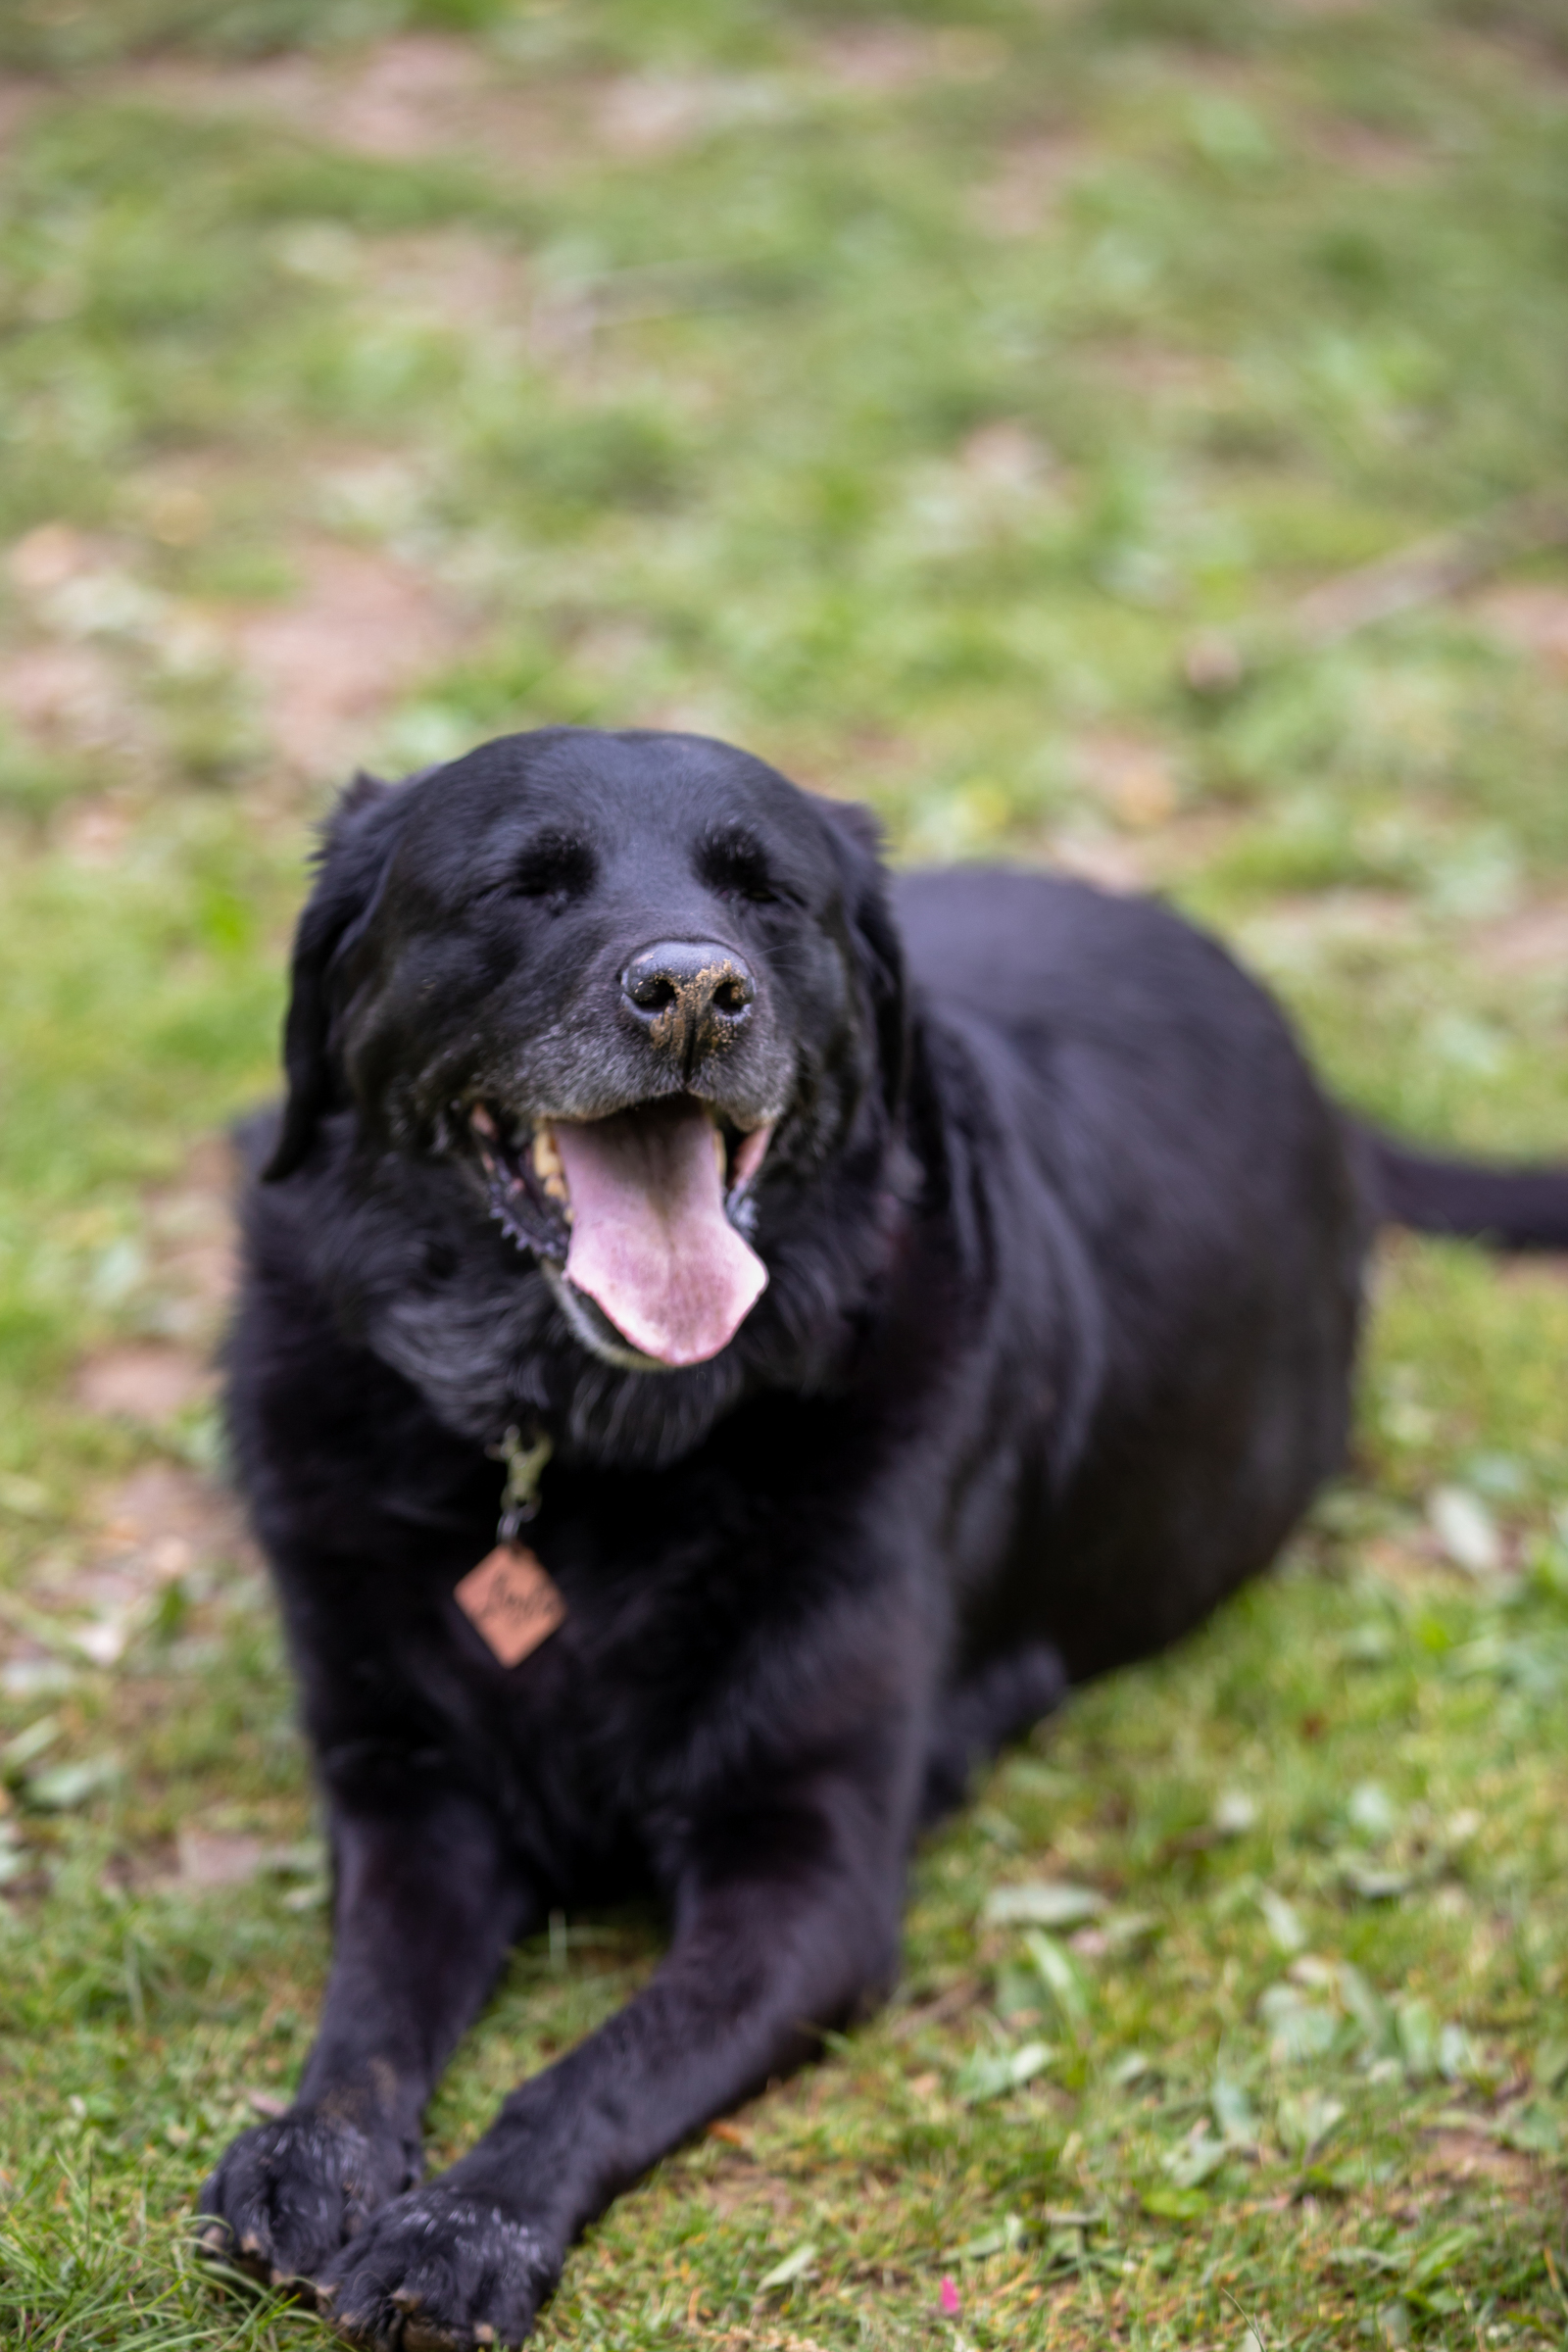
(691, 995)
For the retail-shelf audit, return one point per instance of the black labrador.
(877, 1307)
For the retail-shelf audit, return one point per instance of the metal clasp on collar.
(525, 1467)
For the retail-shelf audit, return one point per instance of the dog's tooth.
(547, 1167)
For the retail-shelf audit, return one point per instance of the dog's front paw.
(439, 2270)
(286, 2196)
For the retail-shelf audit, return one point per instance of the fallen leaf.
(991, 2074)
(1174, 2204)
(1005, 2239)
(1061, 1977)
(1466, 1529)
(20, 1752)
(62, 1787)
(1043, 1903)
(1196, 2160)
(1284, 1923)
(795, 2265)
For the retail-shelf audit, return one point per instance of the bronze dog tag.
(512, 1600)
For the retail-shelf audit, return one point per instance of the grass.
(953, 403)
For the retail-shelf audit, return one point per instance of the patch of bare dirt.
(67, 698)
(1093, 854)
(659, 114)
(17, 99)
(212, 1858)
(330, 662)
(745, 2188)
(652, 114)
(1193, 839)
(161, 1506)
(1131, 776)
(67, 683)
(413, 96)
(1005, 456)
(1158, 371)
(1303, 929)
(94, 833)
(882, 60)
(288, 85)
(1371, 154)
(763, 2339)
(190, 1228)
(408, 97)
(206, 1857)
(1475, 2156)
(1531, 617)
(50, 556)
(161, 1524)
(1533, 940)
(454, 280)
(1412, 1561)
(937, 2009)
(90, 631)
(164, 1523)
(1028, 183)
(145, 1382)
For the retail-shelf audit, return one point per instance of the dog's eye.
(737, 869)
(555, 869)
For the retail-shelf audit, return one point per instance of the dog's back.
(1148, 1107)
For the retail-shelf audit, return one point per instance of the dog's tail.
(1511, 1207)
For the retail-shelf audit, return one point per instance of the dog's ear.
(352, 862)
(874, 935)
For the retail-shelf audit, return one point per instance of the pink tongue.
(651, 1243)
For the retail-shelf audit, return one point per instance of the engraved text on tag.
(512, 1600)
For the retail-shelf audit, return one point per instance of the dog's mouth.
(640, 1220)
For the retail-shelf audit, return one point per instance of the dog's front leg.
(424, 1911)
(786, 1920)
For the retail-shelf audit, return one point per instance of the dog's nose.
(689, 993)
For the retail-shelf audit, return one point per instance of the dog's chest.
(678, 1629)
(585, 1669)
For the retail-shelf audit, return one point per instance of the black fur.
(1515, 1209)
(1065, 1253)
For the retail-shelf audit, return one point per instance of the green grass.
(915, 395)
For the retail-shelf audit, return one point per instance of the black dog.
(928, 1302)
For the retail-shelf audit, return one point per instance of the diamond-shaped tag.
(512, 1600)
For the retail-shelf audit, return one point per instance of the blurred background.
(1128, 434)
(1124, 435)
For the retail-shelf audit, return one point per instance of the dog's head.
(631, 996)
